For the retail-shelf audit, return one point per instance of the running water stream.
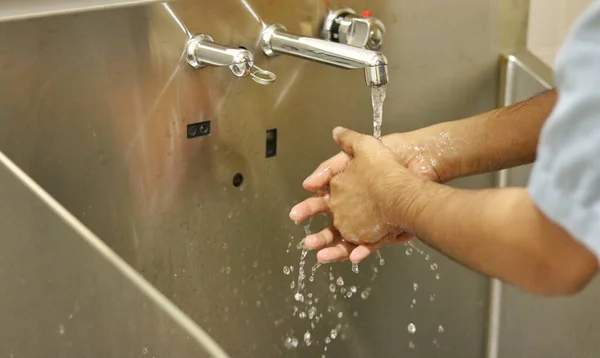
(331, 310)
(377, 99)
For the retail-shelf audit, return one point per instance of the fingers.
(309, 207)
(327, 170)
(350, 141)
(321, 239)
(361, 252)
(346, 139)
(338, 252)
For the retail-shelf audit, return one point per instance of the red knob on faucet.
(366, 14)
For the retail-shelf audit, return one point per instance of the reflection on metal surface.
(105, 133)
(522, 76)
(276, 40)
(65, 293)
(344, 26)
(11, 10)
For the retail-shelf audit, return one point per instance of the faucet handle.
(345, 26)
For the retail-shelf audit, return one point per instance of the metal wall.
(65, 294)
(94, 106)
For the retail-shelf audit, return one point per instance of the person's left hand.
(358, 201)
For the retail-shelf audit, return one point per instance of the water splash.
(291, 342)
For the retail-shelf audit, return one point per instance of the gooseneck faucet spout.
(276, 40)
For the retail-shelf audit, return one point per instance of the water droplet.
(412, 328)
(327, 340)
(415, 286)
(257, 303)
(427, 258)
(365, 293)
(355, 314)
(145, 351)
(61, 330)
(307, 340)
(381, 260)
(311, 278)
(354, 267)
(353, 289)
(343, 290)
(341, 314)
(228, 270)
(340, 281)
(299, 297)
(411, 345)
(409, 251)
(302, 315)
(230, 215)
(432, 297)
(332, 287)
(434, 266)
(414, 301)
(292, 284)
(441, 329)
(437, 276)
(333, 334)
(435, 343)
(349, 294)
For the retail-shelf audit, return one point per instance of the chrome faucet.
(202, 51)
(275, 40)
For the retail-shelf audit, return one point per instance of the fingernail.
(337, 131)
(307, 241)
(293, 214)
(307, 179)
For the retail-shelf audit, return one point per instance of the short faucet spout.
(203, 51)
(275, 40)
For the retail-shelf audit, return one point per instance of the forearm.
(498, 232)
(499, 139)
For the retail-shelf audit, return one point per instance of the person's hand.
(355, 196)
(415, 150)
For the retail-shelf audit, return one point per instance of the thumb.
(348, 140)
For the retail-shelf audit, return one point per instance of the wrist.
(429, 151)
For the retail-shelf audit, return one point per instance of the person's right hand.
(417, 151)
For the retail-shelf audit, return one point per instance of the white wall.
(549, 23)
